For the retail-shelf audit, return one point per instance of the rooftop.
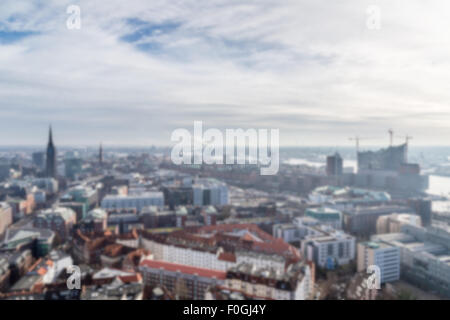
(201, 272)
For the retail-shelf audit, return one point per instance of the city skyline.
(134, 73)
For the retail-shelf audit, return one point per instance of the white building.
(39, 196)
(382, 255)
(49, 185)
(187, 256)
(295, 283)
(393, 223)
(6, 216)
(320, 243)
(425, 255)
(297, 230)
(135, 201)
(207, 191)
(329, 247)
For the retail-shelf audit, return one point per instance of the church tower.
(51, 156)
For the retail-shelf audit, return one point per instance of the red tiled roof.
(270, 244)
(227, 256)
(201, 272)
(237, 226)
(131, 278)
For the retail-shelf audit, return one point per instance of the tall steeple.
(50, 136)
(51, 156)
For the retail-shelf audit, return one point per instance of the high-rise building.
(51, 156)
(73, 165)
(334, 165)
(39, 159)
(422, 207)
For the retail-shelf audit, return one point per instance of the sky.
(137, 70)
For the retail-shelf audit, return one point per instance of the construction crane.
(357, 139)
(407, 138)
(391, 137)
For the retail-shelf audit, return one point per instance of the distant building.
(113, 284)
(72, 165)
(89, 247)
(80, 208)
(387, 169)
(45, 271)
(18, 263)
(100, 155)
(382, 255)
(185, 282)
(51, 157)
(207, 191)
(59, 220)
(96, 221)
(38, 159)
(362, 221)
(136, 201)
(344, 198)
(152, 217)
(49, 185)
(176, 196)
(425, 255)
(5, 168)
(86, 196)
(39, 241)
(334, 165)
(422, 207)
(219, 247)
(5, 274)
(124, 222)
(329, 248)
(296, 283)
(6, 216)
(321, 244)
(326, 216)
(389, 159)
(393, 223)
(40, 197)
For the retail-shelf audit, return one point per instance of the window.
(330, 249)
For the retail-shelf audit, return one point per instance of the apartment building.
(382, 255)
(295, 283)
(185, 282)
(134, 201)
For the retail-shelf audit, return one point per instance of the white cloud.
(310, 68)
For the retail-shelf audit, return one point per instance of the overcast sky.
(136, 70)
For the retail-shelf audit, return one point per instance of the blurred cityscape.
(136, 226)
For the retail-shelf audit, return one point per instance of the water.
(439, 186)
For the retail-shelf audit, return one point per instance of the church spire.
(51, 155)
(50, 136)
